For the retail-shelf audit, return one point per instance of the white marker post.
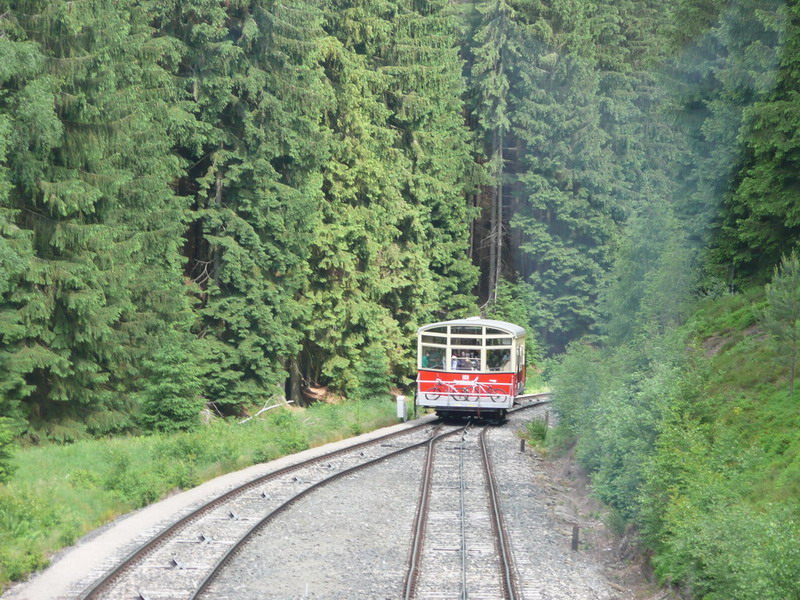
(401, 408)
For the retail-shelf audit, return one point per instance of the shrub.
(170, 397)
(6, 449)
(536, 430)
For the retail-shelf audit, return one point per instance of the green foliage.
(708, 533)
(299, 169)
(649, 285)
(761, 221)
(782, 313)
(613, 402)
(170, 398)
(701, 454)
(290, 436)
(7, 447)
(536, 430)
(93, 481)
(89, 211)
(373, 378)
(732, 85)
(254, 147)
(24, 517)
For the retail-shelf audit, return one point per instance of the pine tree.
(21, 61)
(425, 96)
(367, 276)
(496, 54)
(566, 217)
(90, 163)
(170, 399)
(761, 219)
(782, 313)
(730, 64)
(255, 149)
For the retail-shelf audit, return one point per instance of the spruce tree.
(782, 313)
(90, 165)
(496, 55)
(250, 72)
(728, 65)
(566, 216)
(761, 218)
(367, 276)
(425, 95)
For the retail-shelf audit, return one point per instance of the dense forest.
(216, 204)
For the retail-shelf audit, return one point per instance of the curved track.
(172, 563)
(182, 560)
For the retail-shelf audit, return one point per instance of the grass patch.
(732, 313)
(536, 434)
(535, 382)
(59, 493)
(747, 395)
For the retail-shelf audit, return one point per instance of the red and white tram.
(470, 366)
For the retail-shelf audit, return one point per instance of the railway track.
(183, 559)
(460, 547)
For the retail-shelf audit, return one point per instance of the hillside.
(698, 450)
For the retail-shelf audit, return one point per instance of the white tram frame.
(451, 384)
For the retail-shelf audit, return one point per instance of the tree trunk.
(498, 266)
(295, 393)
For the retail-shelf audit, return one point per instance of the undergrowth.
(60, 492)
(692, 436)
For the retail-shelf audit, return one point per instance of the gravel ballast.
(350, 540)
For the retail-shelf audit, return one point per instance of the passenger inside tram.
(432, 358)
(466, 360)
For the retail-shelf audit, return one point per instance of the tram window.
(492, 331)
(434, 339)
(465, 360)
(498, 360)
(498, 341)
(465, 341)
(467, 330)
(432, 358)
(437, 330)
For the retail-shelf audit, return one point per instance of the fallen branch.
(266, 408)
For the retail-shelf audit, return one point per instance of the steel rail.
(420, 520)
(541, 395)
(463, 507)
(107, 580)
(501, 539)
(222, 562)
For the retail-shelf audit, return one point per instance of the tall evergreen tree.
(250, 70)
(761, 219)
(782, 313)
(425, 96)
(361, 261)
(90, 165)
(496, 55)
(729, 64)
(566, 215)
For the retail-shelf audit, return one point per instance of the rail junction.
(459, 546)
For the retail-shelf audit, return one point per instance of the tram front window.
(498, 360)
(432, 358)
(465, 360)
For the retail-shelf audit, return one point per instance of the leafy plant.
(782, 313)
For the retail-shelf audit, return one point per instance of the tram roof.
(515, 330)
